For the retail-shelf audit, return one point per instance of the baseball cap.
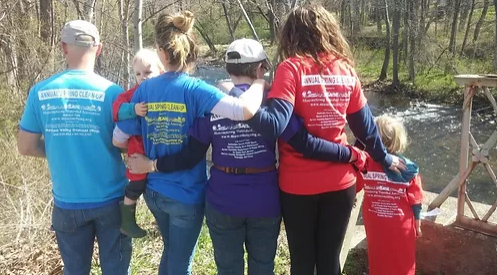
(248, 51)
(80, 33)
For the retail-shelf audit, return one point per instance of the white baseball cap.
(249, 51)
(80, 33)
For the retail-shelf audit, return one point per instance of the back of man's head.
(244, 56)
(80, 38)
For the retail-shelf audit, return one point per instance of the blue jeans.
(229, 234)
(76, 230)
(180, 226)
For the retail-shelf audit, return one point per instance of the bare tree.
(468, 26)
(137, 33)
(484, 11)
(495, 40)
(249, 22)
(397, 11)
(228, 23)
(453, 33)
(123, 17)
(386, 59)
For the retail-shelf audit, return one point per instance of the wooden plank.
(464, 156)
(487, 228)
(354, 215)
(476, 80)
(442, 197)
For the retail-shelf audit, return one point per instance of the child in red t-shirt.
(391, 206)
(146, 65)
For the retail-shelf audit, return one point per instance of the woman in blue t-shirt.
(175, 100)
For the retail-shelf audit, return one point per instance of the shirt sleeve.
(364, 128)
(132, 127)
(286, 80)
(126, 111)
(205, 97)
(30, 120)
(119, 135)
(201, 130)
(311, 147)
(415, 191)
(271, 119)
(357, 98)
(187, 158)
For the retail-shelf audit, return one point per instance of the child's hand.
(141, 109)
(417, 225)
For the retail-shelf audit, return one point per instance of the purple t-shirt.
(235, 144)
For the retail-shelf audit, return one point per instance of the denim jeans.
(229, 234)
(76, 230)
(180, 225)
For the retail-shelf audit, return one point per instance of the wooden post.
(464, 157)
(354, 215)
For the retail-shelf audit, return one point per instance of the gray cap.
(80, 33)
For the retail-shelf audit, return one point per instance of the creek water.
(434, 132)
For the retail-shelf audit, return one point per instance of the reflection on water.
(434, 132)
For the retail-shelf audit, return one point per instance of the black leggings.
(315, 226)
(135, 189)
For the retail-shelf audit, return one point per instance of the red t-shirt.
(389, 221)
(322, 97)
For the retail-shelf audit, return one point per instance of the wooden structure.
(479, 155)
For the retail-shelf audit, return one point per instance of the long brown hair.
(174, 35)
(311, 31)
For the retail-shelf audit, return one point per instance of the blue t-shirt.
(235, 144)
(73, 111)
(175, 101)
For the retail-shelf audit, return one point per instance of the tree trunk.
(252, 29)
(481, 20)
(412, 37)
(45, 21)
(495, 40)
(89, 9)
(137, 35)
(200, 28)
(230, 29)
(123, 17)
(377, 14)
(465, 7)
(386, 60)
(453, 33)
(397, 12)
(468, 27)
(407, 30)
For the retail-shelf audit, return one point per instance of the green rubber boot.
(128, 222)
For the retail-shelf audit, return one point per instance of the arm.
(189, 156)
(271, 120)
(209, 99)
(297, 136)
(415, 197)
(126, 111)
(119, 138)
(29, 138)
(31, 144)
(364, 128)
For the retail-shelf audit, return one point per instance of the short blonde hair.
(393, 134)
(148, 57)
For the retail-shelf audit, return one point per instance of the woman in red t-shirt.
(317, 81)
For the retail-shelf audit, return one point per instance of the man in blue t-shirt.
(68, 120)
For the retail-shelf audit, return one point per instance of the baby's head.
(392, 133)
(246, 58)
(146, 64)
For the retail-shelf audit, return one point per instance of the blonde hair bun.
(183, 21)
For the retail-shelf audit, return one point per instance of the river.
(434, 133)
